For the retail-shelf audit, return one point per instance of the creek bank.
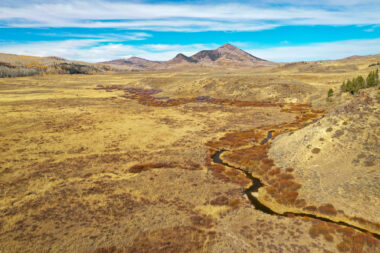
(257, 184)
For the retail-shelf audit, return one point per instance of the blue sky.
(278, 30)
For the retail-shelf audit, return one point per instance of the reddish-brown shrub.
(217, 167)
(328, 237)
(290, 197)
(289, 169)
(219, 175)
(288, 185)
(234, 203)
(314, 232)
(267, 163)
(310, 208)
(143, 167)
(275, 171)
(300, 203)
(343, 247)
(285, 176)
(327, 209)
(232, 172)
(241, 180)
(220, 201)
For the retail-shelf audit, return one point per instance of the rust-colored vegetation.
(220, 201)
(138, 168)
(348, 239)
(234, 203)
(310, 208)
(143, 167)
(254, 158)
(327, 209)
(246, 151)
(146, 97)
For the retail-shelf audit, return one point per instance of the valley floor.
(122, 162)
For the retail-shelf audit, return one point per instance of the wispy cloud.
(110, 37)
(95, 51)
(112, 22)
(319, 51)
(186, 16)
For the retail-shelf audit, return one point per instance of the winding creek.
(145, 97)
(257, 184)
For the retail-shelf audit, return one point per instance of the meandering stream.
(145, 97)
(256, 184)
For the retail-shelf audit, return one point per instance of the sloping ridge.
(181, 58)
(133, 61)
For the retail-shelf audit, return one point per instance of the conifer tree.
(371, 79)
(344, 86)
(377, 77)
(330, 93)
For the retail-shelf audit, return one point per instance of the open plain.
(125, 161)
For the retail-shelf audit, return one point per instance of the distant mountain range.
(224, 56)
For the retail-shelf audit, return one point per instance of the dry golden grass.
(67, 153)
(84, 169)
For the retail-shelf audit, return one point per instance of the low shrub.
(327, 209)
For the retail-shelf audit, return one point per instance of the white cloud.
(161, 25)
(110, 37)
(319, 51)
(189, 17)
(93, 50)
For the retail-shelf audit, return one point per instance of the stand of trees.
(7, 70)
(374, 64)
(35, 68)
(353, 86)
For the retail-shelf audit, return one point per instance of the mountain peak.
(180, 58)
(227, 46)
(225, 55)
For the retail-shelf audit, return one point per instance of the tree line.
(353, 86)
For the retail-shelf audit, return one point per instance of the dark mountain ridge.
(226, 55)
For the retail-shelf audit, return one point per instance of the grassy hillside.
(21, 65)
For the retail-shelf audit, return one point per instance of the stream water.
(268, 138)
(256, 184)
